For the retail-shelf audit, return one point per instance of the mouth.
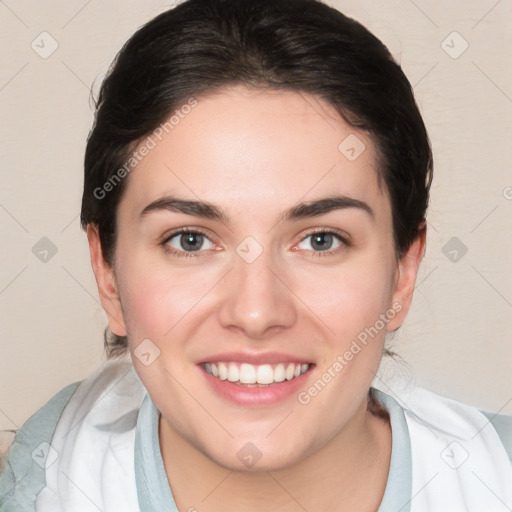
(252, 379)
(255, 376)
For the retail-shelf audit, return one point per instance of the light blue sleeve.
(22, 474)
(503, 426)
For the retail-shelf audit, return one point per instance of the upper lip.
(255, 358)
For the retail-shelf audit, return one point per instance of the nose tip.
(256, 301)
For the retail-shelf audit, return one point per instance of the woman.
(256, 184)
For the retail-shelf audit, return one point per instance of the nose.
(257, 300)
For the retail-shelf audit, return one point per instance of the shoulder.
(502, 424)
(22, 469)
(466, 417)
(445, 415)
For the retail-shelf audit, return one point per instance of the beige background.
(457, 339)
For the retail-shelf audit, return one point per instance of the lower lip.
(256, 396)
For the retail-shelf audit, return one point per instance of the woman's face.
(288, 268)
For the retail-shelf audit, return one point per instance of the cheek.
(349, 298)
(154, 298)
(350, 301)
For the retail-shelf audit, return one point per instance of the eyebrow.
(207, 210)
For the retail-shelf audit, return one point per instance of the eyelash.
(182, 231)
(189, 254)
(331, 252)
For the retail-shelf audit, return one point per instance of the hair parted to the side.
(202, 46)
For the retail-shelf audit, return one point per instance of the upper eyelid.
(181, 231)
(338, 232)
(340, 235)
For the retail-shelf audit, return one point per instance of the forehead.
(255, 151)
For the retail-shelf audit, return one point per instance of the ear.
(405, 279)
(106, 281)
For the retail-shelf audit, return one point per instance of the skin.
(255, 154)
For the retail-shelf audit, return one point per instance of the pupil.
(191, 241)
(322, 241)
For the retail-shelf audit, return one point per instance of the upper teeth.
(252, 374)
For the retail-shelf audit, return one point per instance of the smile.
(249, 375)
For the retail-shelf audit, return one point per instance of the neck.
(334, 478)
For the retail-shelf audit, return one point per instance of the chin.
(257, 455)
(262, 462)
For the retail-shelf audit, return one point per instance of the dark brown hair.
(300, 45)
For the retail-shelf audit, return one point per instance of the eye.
(327, 242)
(187, 241)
